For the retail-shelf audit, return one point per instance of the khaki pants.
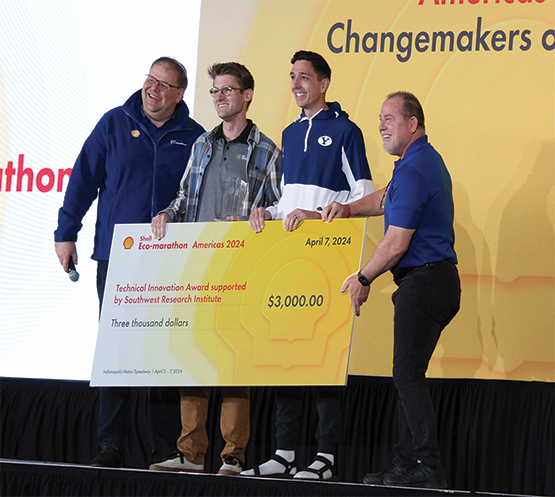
(234, 422)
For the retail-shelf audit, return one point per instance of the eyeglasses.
(225, 91)
(162, 84)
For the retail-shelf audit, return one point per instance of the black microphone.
(73, 274)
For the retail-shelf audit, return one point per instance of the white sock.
(272, 467)
(308, 475)
(319, 464)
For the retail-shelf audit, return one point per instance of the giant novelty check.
(217, 304)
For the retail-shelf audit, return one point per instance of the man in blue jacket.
(323, 160)
(132, 161)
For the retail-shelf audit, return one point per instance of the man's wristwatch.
(363, 279)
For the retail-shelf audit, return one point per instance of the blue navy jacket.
(133, 168)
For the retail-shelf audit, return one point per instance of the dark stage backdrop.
(496, 436)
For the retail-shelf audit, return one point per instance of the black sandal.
(288, 472)
(320, 472)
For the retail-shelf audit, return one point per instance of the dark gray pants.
(288, 413)
(426, 301)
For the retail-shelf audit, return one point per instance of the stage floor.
(31, 478)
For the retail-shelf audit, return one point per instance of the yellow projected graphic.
(485, 74)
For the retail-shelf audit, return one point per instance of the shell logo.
(128, 243)
(135, 133)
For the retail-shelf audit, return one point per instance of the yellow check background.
(241, 340)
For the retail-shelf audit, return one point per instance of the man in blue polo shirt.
(418, 248)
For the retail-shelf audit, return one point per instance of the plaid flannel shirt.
(263, 174)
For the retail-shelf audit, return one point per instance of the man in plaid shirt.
(234, 150)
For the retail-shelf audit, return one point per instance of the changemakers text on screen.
(344, 39)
